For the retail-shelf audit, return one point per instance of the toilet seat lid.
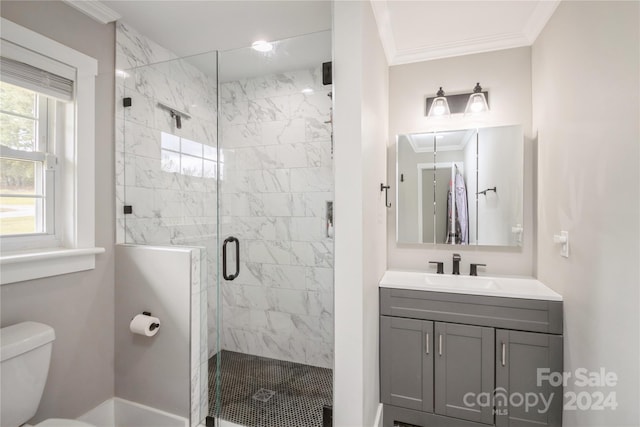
(61, 422)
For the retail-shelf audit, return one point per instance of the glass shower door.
(166, 186)
(275, 193)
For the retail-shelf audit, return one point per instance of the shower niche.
(236, 146)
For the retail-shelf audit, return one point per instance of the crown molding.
(95, 9)
(539, 18)
(383, 21)
(460, 47)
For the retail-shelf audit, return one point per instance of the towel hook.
(484, 192)
(385, 188)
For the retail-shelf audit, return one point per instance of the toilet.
(25, 353)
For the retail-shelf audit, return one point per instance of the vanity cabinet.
(454, 359)
(464, 363)
(519, 355)
(407, 355)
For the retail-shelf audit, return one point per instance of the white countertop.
(495, 286)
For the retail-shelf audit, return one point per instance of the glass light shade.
(439, 107)
(477, 103)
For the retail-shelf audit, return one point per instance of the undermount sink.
(508, 287)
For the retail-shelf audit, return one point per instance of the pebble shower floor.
(260, 392)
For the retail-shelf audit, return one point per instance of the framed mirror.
(462, 187)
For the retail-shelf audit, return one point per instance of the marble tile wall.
(173, 194)
(276, 177)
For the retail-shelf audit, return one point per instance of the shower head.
(175, 114)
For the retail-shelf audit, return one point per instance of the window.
(47, 103)
(187, 157)
(27, 164)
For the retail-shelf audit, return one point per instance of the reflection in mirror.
(461, 187)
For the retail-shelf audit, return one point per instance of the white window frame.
(76, 225)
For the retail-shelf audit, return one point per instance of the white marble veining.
(287, 131)
(276, 181)
(311, 179)
(312, 254)
(169, 205)
(133, 49)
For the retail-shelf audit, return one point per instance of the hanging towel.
(461, 211)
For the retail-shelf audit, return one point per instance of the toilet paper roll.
(145, 325)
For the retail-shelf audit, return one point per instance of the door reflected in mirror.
(461, 187)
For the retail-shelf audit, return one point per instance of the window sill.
(28, 265)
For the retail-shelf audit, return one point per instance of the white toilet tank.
(25, 353)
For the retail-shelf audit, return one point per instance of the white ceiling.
(297, 53)
(411, 31)
(190, 27)
(444, 141)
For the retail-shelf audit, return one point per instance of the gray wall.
(78, 306)
(588, 185)
(154, 371)
(506, 74)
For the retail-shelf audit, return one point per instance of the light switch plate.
(564, 248)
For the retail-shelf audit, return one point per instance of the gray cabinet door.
(519, 355)
(406, 363)
(464, 371)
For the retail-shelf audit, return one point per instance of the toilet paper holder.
(153, 325)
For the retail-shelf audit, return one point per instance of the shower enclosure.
(229, 154)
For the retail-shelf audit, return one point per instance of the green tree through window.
(19, 130)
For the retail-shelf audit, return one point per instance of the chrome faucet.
(456, 263)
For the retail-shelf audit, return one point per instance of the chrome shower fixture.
(175, 114)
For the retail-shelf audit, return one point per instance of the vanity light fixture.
(262, 46)
(440, 105)
(470, 102)
(477, 102)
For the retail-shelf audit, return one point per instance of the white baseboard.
(224, 423)
(378, 421)
(116, 412)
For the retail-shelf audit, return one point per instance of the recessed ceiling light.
(262, 46)
(307, 90)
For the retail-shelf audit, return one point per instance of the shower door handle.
(230, 239)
